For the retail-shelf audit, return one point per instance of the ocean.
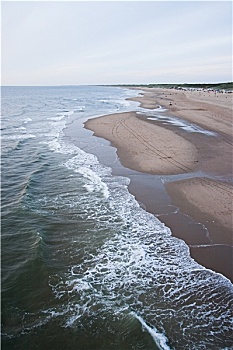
(84, 266)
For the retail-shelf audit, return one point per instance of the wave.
(159, 338)
(27, 120)
(95, 184)
(17, 137)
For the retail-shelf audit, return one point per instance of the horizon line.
(124, 84)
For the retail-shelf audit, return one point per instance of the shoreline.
(152, 148)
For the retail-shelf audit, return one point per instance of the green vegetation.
(215, 86)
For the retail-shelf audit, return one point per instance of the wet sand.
(155, 148)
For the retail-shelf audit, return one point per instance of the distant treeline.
(215, 86)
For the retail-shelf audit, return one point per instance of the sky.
(115, 42)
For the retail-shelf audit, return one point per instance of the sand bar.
(145, 147)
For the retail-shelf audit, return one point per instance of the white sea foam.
(58, 118)
(61, 147)
(159, 338)
(123, 103)
(67, 114)
(18, 137)
(95, 184)
(20, 128)
(93, 181)
(83, 163)
(80, 109)
(26, 120)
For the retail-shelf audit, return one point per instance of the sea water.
(84, 266)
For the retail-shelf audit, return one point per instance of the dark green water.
(83, 265)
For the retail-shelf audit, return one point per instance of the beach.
(195, 167)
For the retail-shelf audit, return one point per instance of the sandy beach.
(144, 147)
(161, 149)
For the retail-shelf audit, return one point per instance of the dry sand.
(159, 149)
(207, 109)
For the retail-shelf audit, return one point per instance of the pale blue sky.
(116, 42)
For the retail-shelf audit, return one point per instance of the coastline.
(166, 151)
